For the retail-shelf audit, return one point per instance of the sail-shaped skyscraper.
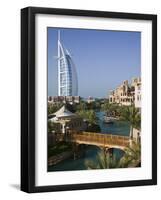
(67, 75)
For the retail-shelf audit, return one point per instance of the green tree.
(111, 109)
(91, 119)
(103, 161)
(52, 108)
(50, 128)
(81, 106)
(105, 106)
(53, 126)
(132, 115)
(132, 156)
(88, 115)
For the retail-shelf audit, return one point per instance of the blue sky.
(103, 59)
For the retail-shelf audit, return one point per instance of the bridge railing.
(100, 139)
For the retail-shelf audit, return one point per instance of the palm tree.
(132, 156)
(89, 115)
(81, 106)
(112, 109)
(103, 161)
(132, 115)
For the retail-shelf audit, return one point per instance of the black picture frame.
(28, 99)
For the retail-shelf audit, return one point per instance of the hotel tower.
(67, 75)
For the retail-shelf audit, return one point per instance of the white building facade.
(67, 75)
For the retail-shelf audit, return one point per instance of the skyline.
(106, 57)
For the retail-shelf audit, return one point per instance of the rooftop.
(64, 112)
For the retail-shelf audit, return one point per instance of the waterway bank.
(53, 160)
(90, 153)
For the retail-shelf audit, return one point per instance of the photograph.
(93, 99)
(89, 99)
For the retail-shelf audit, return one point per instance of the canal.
(118, 127)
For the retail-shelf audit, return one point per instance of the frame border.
(28, 99)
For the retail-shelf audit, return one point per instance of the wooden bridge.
(99, 139)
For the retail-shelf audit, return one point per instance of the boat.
(108, 120)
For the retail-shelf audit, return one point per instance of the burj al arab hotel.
(67, 75)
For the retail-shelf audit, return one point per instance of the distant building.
(90, 99)
(127, 94)
(137, 85)
(67, 75)
(136, 135)
(64, 99)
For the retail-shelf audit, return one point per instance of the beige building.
(137, 86)
(90, 99)
(136, 135)
(127, 94)
(64, 99)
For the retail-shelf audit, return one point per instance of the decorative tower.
(67, 75)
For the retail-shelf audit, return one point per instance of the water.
(117, 128)
(79, 164)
